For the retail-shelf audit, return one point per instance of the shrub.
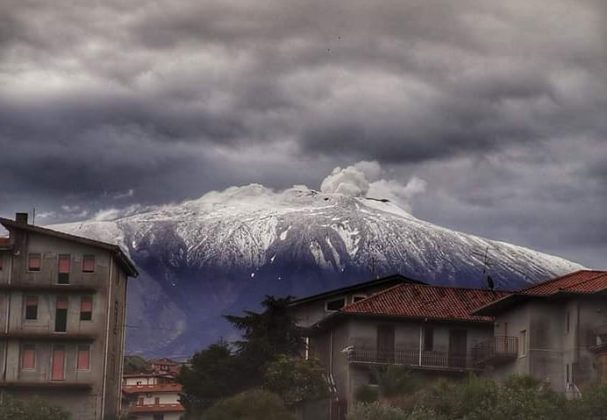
(249, 405)
(366, 394)
(32, 409)
(396, 380)
(296, 380)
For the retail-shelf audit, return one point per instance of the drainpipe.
(107, 333)
(8, 315)
(421, 335)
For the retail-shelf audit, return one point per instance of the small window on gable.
(335, 304)
(358, 298)
(34, 262)
(88, 264)
(31, 307)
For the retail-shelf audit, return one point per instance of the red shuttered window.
(88, 264)
(58, 364)
(34, 262)
(84, 357)
(28, 356)
(64, 269)
(86, 308)
(31, 307)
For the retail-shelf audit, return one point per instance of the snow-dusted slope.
(218, 254)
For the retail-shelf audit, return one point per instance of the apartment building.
(153, 401)
(555, 331)
(62, 314)
(427, 328)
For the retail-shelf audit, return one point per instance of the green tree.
(396, 380)
(266, 335)
(295, 380)
(31, 409)
(250, 405)
(213, 374)
(135, 364)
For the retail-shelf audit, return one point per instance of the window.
(58, 364)
(567, 321)
(140, 401)
(61, 314)
(358, 298)
(34, 262)
(523, 342)
(86, 308)
(84, 357)
(31, 307)
(64, 269)
(88, 264)
(428, 343)
(28, 356)
(336, 304)
(157, 400)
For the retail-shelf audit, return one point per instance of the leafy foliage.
(218, 372)
(249, 405)
(32, 409)
(396, 380)
(135, 364)
(213, 374)
(296, 380)
(366, 394)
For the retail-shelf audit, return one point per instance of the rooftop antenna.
(486, 263)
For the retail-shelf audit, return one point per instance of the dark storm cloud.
(499, 106)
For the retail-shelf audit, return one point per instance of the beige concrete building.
(429, 329)
(153, 401)
(62, 315)
(555, 331)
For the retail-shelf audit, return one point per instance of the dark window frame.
(31, 311)
(329, 302)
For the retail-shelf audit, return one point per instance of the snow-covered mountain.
(225, 251)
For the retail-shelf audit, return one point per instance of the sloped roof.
(583, 282)
(421, 301)
(387, 281)
(123, 260)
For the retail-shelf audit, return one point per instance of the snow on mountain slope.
(224, 251)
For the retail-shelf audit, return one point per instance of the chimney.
(21, 218)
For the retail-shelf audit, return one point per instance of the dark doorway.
(458, 343)
(61, 314)
(385, 343)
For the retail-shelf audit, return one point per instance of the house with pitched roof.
(555, 331)
(426, 328)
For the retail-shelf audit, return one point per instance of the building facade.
(428, 329)
(153, 401)
(555, 331)
(62, 314)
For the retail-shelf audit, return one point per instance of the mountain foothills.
(223, 252)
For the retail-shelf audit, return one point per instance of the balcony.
(599, 340)
(495, 351)
(427, 360)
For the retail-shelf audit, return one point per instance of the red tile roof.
(135, 389)
(424, 301)
(584, 282)
(157, 408)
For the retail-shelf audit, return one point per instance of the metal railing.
(412, 358)
(495, 350)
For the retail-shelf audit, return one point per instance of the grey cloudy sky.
(500, 107)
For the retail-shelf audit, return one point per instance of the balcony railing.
(495, 350)
(599, 339)
(413, 358)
